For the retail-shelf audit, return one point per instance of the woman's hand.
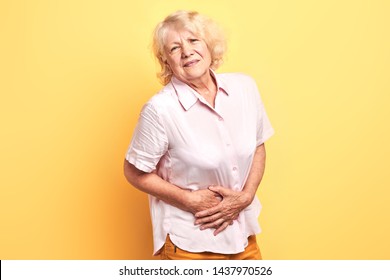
(201, 200)
(224, 213)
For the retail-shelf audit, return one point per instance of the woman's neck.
(206, 87)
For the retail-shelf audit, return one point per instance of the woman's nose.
(186, 51)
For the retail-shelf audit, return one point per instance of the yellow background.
(75, 74)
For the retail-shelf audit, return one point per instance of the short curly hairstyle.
(199, 25)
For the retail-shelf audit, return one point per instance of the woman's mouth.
(190, 63)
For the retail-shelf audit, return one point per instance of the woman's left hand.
(223, 214)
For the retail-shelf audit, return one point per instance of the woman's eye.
(193, 40)
(174, 48)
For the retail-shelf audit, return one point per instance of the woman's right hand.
(200, 200)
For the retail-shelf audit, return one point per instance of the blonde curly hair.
(199, 25)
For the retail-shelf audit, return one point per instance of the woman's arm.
(233, 202)
(154, 185)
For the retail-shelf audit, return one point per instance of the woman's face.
(187, 55)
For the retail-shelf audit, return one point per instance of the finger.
(215, 224)
(221, 228)
(208, 219)
(208, 212)
(218, 189)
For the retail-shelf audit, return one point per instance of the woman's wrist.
(247, 197)
(185, 200)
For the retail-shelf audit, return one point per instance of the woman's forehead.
(176, 32)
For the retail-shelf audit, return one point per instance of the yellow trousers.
(171, 252)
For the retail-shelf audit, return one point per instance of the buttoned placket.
(228, 147)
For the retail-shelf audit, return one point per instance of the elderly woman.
(198, 148)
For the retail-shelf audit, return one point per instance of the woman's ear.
(163, 59)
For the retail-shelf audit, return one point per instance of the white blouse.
(192, 145)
